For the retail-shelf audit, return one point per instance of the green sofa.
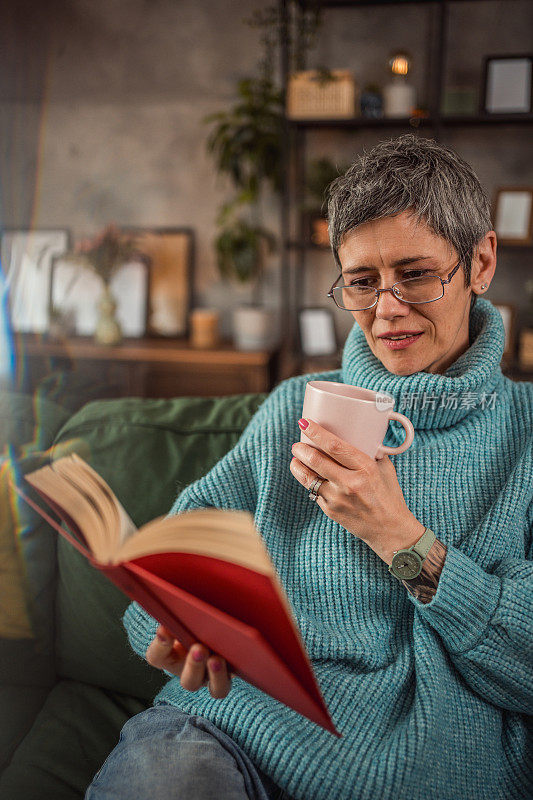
(67, 689)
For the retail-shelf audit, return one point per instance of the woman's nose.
(389, 305)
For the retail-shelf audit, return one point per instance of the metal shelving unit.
(295, 247)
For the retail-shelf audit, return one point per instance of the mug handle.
(408, 441)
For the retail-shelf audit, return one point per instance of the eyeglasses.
(361, 295)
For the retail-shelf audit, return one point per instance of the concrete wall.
(102, 102)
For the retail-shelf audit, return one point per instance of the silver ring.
(314, 488)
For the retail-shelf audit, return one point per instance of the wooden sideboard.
(163, 368)
(144, 367)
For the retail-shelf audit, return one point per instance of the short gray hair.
(413, 174)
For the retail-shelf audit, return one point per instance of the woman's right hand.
(195, 668)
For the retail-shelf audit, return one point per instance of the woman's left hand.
(361, 494)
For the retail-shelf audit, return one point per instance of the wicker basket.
(310, 97)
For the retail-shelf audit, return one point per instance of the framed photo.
(76, 291)
(27, 258)
(507, 84)
(316, 327)
(508, 313)
(170, 252)
(513, 215)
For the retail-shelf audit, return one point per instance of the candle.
(204, 328)
(399, 99)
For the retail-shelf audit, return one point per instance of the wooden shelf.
(444, 121)
(146, 367)
(354, 3)
(362, 122)
(175, 351)
(486, 119)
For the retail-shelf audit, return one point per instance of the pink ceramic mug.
(359, 416)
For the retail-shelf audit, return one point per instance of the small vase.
(108, 330)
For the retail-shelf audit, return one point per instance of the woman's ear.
(484, 263)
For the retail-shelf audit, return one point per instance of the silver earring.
(483, 285)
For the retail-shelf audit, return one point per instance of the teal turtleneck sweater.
(431, 699)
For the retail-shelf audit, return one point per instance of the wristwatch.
(407, 564)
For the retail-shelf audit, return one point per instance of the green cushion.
(16, 418)
(25, 420)
(73, 734)
(27, 577)
(19, 705)
(147, 450)
(27, 580)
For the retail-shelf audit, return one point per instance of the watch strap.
(424, 544)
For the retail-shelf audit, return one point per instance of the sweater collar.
(436, 401)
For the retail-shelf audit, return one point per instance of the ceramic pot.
(252, 328)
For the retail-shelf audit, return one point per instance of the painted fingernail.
(303, 423)
(216, 666)
(198, 655)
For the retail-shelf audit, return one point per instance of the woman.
(428, 679)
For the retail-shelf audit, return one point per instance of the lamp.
(399, 96)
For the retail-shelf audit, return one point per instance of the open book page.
(228, 535)
(113, 538)
(88, 500)
(122, 525)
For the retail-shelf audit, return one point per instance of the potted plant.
(321, 172)
(241, 249)
(246, 143)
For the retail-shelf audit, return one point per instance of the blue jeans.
(164, 754)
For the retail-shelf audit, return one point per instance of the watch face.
(406, 564)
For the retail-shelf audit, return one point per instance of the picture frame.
(513, 215)
(27, 258)
(170, 252)
(507, 84)
(317, 332)
(76, 291)
(508, 314)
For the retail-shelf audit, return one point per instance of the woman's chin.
(400, 370)
(399, 365)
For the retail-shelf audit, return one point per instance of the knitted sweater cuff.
(140, 627)
(464, 603)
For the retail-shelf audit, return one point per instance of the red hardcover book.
(205, 575)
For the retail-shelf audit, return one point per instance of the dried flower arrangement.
(106, 252)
